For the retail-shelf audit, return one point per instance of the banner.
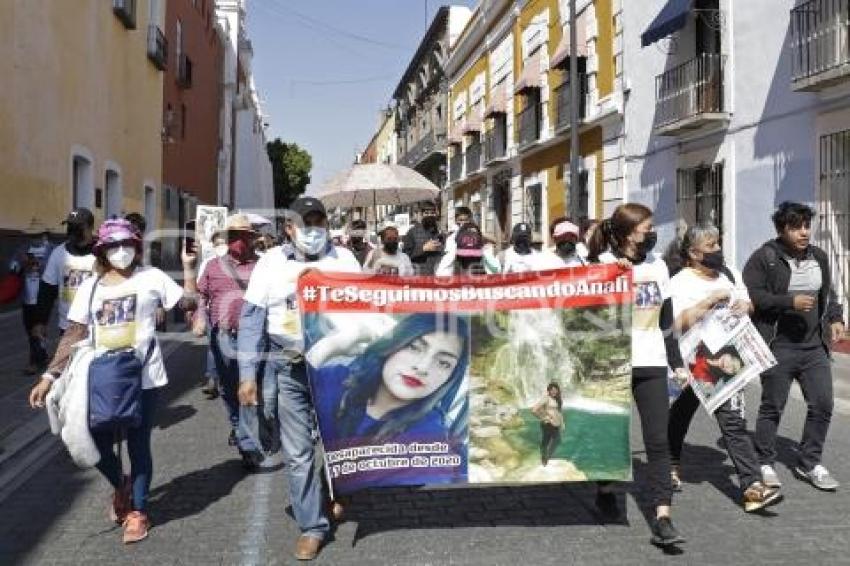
(723, 352)
(519, 378)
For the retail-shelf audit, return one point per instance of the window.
(533, 213)
(699, 195)
(125, 10)
(82, 182)
(150, 208)
(833, 208)
(183, 121)
(112, 188)
(98, 198)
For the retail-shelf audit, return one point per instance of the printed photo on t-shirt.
(647, 306)
(115, 323)
(71, 281)
(291, 318)
(387, 269)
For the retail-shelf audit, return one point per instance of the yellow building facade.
(509, 124)
(81, 110)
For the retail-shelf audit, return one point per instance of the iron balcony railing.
(473, 157)
(562, 99)
(496, 143)
(689, 90)
(455, 166)
(530, 123)
(157, 47)
(820, 37)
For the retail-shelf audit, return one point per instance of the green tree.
(291, 167)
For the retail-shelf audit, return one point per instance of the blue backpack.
(115, 386)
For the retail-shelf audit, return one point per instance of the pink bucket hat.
(116, 230)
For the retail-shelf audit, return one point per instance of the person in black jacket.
(423, 243)
(797, 314)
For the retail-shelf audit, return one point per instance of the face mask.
(391, 247)
(356, 242)
(565, 249)
(121, 257)
(522, 245)
(649, 241)
(429, 222)
(312, 240)
(220, 250)
(713, 260)
(238, 248)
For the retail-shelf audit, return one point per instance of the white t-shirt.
(273, 287)
(68, 272)
(125, 316)
(651, 280)
(383, 263)
(687, 288)
(551, 260)
(518, 263)
(32, 271)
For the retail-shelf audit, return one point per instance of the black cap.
(80, 216)
(521, 229)
(305, 205)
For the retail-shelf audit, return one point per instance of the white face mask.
(121, 257)
(220, 250)
(312, 240)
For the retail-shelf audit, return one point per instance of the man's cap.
(565, 230)
(80, 216)
(521, 229)
(303, 206)
(470, 242)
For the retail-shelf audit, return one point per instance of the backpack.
(115, 386)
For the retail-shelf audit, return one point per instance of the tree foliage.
(291, 167)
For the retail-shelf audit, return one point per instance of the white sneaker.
(769, 477)
(819, 477)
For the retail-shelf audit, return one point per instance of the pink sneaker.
(136, 527)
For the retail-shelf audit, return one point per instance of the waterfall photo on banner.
(522, 378)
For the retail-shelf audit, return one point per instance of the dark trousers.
(811, 369)
(138, 449)
(733, 427)
(649, 389)
(38, 347)
(551, 437)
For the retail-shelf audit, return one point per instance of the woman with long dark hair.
(627, 238)
(550, 412)
(405, 386)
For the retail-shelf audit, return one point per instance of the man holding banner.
(271, 316)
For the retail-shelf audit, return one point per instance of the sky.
(325, 68)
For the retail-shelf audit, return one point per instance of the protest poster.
(448, 380)
(723, 352)
(208, 221)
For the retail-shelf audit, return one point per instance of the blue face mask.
(311, 240)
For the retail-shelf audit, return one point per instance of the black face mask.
(391, 247)
(565, 249)
(429, 222)
(713, 260)
(522, 245)
(77, 240)
(649, 241)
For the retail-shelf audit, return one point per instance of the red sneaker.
(121, 505)
(136, 527)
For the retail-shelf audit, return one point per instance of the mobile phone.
(189, 235)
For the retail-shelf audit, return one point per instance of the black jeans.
(733, 427)
(811, 368)
(649, 388)
(551, 437)
(38, 347)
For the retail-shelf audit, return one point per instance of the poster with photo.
(208, 221)
(723, 353)
(517, 379)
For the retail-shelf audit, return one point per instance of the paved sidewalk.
(207, 511)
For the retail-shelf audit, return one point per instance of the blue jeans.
(295, 411)
(223, 347)
(139, 450)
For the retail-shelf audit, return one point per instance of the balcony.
(495, 144)
(455, 166)
(564, 105)
(690, 96)
(157, 47)
(820, 44)
(428, 145)
(184, 72)
(125, 10)
(530, 124)
(473, 158)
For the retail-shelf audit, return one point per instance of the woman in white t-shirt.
(704, 283)
(116, 310)
(627, 238)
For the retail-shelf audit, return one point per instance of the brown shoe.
(758, 496)
(121, 505)
(136, 527)
(307, 547)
